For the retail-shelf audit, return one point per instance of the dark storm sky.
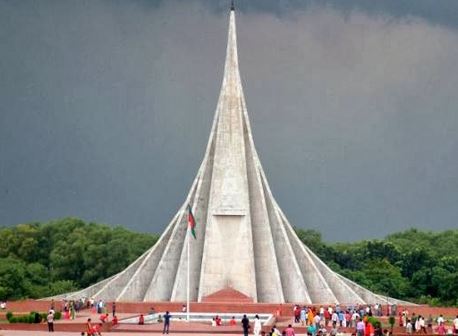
(106, 107)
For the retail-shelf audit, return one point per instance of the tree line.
(44, 259)
(413, 265)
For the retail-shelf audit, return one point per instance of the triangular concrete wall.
(244, 240)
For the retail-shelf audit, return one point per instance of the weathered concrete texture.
(244, 241)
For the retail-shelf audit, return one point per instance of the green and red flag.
(191, 222)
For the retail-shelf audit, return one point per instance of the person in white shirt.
(409, 327)
(316, 321)
(455, 325)
(354, 318)
(417, 323)
(257, 326)
(50, 320)
(440, 320)
(334, 319)
(422, 324)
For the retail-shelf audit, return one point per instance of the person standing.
(429, 322)
(113, 308)
(417, 323)
(334, 318)
(245, 325)
(297, 314)
(72, 310)
(50, 319)
(360, 328)
(455, 325)
(167, 317)
(257, 326)
(409, 328)
(303, 316)
(289, 331)
(317, 321)
(422, 324)
(369, 329)
(354, 319)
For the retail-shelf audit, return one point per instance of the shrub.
(372, 320)
(57, 315)
(391, 320)
(9, 315)
(37, 318)
(12, 319)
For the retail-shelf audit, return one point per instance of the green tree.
(43, 259)
(13, 282)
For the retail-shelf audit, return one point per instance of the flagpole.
(188, 271)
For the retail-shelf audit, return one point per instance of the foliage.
(33, 317)
(45, 259)
(413, 265)
(57, 315)
(391, 321)
(374, 321)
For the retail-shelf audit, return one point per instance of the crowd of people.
(363, 319)
(318, 321)
(426, 325)
(334, 315)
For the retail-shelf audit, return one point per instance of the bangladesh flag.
(191, 222)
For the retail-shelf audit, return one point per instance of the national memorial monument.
(244, 240)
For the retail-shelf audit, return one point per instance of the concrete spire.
(244, 240)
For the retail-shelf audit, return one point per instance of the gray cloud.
(106, 109)
(442, 12)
